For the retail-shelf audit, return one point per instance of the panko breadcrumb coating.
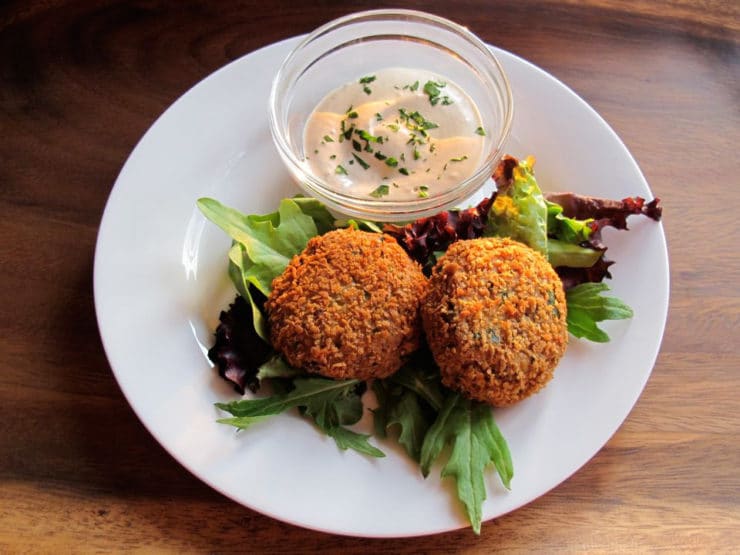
(494, 319)
(347, 306)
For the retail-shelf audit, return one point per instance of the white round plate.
(160, 282)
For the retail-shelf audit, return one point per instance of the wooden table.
(80, 82)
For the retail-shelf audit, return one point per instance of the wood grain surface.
(81, 81)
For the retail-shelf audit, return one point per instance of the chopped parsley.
(364, 81)
(391, 161)
(423, 191)
(380, 156)
(340, 170)
(432, 90)
(404, 171)
(365, 136)
(328, 139)
(378, 116)
(458, 159)
(380, 191)
(480, 131)
(360, 161)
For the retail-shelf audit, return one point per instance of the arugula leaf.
(307, 391)
(421, 376)
(402, 408)
(241, 422)
(331, 404)
(586, 307)
(347, 439)
(476, 443)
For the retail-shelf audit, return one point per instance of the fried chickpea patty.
(495, 319)
(347, 306)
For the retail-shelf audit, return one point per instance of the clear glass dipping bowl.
(364, 43)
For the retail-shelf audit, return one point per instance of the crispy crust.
(347, 306)
(495, 319)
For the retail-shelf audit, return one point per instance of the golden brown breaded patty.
(347, 306)
(495, 319)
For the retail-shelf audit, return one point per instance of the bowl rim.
(388, 209)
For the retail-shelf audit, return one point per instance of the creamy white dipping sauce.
(398, 134)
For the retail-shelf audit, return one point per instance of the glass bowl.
(362, 44)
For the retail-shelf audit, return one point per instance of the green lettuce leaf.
(264, 244)
(476, 441)
(568, 230)
(276, 367)
(562, 253)
(270, 241)
(318, 212)
(364, 225)
(586, 307)
(519, 211)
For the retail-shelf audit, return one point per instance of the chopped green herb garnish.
(380, 156)
(332, 157)
(360, 161)
(423, 191)
(458, 159)
(404, 171)
(367, 79)
(480, 131)
(391, 161)
(378, 116)
(381, 191)
(431, 88)
(415, 86)
(328, 139)
(365, 136)
(393, 127)
(402, 157)
(353, 115)
(340, 170)
(356, 145)
(367, 90)
(416, 154)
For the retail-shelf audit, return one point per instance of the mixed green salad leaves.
(431, 422)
